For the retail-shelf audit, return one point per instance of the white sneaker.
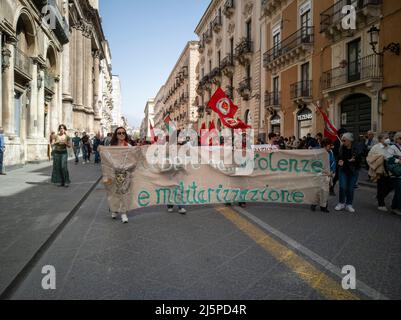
(84, 162)
(383, 209)
(124, 218)
(350, 209)
(170, 210)
(114, 215)
(182, 211)
(340, 207)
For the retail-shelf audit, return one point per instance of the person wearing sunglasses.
(120, 139)
(349, 160)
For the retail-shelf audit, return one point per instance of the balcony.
(184, 98)
(366, 70)
(229, 8)
(22, 64)
(201, 46)
(184, 71)
(273, 100)
(245, 88)
(331, 19)
(301, 92)
(217, 24)
(215, 76)
(291, 49)
(208, 36)
(269, 7)
(201, 111)
(227, 65)
(244, 50)
(49, 83)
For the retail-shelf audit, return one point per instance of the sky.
(146, 38)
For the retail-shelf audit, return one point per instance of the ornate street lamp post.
(374, 40)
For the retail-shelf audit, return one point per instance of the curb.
(22, 275)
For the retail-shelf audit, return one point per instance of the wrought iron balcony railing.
(244, 88)
(273, 99)
(301, 89)
(217, 23)
(303, 36)
(22, 62)
(334, 15)
(208, 35)
(366, 68)
(243, 47)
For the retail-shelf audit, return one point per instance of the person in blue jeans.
(349, 161)
(2, 149)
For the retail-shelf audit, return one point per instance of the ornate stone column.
(96, 76)
(8, 116)
(79, 66)
(41, 101)
(67, 99)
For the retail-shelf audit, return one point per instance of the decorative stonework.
(209, 52)
(231, 28)
(218, 42)
(248, 8)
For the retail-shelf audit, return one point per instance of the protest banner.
(289, 177)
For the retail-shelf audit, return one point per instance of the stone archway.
(356, 114)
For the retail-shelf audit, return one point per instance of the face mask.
(387, 141)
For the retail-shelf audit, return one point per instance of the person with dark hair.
(60, 143)
(76, 144)
(336, 151)
(85, 148)
(120, 139)
(97, 141)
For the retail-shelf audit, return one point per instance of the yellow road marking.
(316, 279)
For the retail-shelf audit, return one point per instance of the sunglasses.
(121, 133)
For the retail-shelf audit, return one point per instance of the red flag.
(222, 104)
(330, 131)
(235, 123)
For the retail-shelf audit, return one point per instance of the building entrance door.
(356, 115)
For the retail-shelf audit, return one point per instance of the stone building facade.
(52, 53)
(230, 57)
(179, 91)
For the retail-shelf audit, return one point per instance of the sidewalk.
(31, 210)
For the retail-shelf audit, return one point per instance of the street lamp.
(374, 40)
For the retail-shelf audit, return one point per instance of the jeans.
(77, 151)
(397, 194)
(347, 186)
(384, 187)
(97, 157)
(85, 152)
(1, 160)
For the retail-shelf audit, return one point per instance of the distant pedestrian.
(85, 148)
(2, 150)
(349, 163)
(97, 141)
(60, 143)
(76, 145)
(107, 140)
(120, 139)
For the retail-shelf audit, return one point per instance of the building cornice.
(207, 16)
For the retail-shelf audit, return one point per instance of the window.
(249, 30)
(354, 60)
(276, 41)
(275, 90)
(210, 65)
(203, 72)
(306, 22)
(219, 58)
(248, 71)
(305, 80)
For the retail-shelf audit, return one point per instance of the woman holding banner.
(120, 139)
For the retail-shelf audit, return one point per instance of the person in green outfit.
(60, 143)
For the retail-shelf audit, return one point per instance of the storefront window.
(304, 119)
